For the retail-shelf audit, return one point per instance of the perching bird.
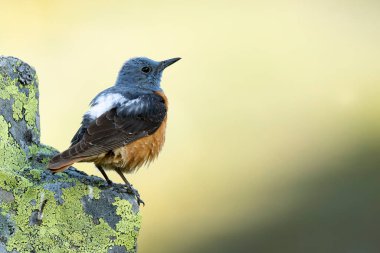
(125, 125)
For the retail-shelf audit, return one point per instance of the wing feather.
(115, 128)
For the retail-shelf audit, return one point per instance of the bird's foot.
(127, 188)
(131, 190)
(107, 185)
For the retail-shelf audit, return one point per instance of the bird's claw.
(127, 188)
(133, 191)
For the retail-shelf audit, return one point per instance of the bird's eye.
(145, 69)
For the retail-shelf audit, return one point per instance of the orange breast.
(137, 153)
(142, 151)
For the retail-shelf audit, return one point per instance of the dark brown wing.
(116, 128)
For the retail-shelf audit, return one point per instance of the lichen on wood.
(42, 212)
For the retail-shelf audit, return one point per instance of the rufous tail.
(59, 163)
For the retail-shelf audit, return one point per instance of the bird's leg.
(130, 188)
(109, 182)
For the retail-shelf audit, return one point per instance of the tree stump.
(42, 212)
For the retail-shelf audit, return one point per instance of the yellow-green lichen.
(24, 106)
(128, 227)
(65, 225)
(33, 149)
(36, 173)
(64, 228)
(12, 156)
(10, 181)
(95, 192)
(41, 152)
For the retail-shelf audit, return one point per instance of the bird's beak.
(168, 62)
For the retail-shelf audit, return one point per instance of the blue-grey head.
(144, 73)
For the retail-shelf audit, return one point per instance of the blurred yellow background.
(273, 134)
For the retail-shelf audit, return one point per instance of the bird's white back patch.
(104, 103)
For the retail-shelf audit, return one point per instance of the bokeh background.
(273, 137)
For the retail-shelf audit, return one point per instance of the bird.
(124, 127)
